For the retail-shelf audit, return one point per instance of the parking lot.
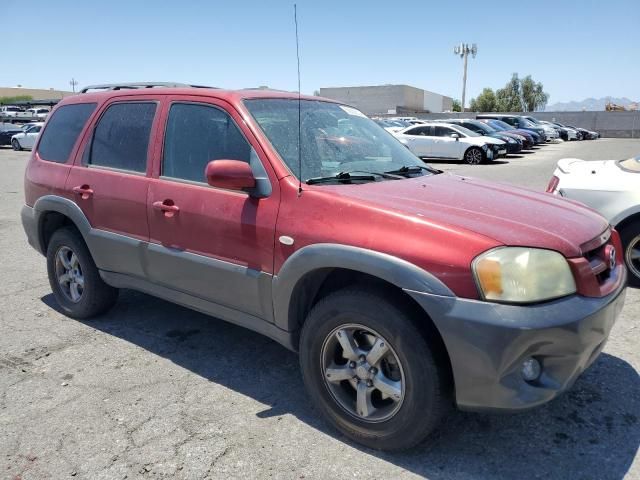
(153, 390)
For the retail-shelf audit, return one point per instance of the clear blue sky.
(578, 49)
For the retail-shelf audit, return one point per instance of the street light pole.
(464, 49)
(73, 84)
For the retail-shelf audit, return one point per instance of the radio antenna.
(295, 19)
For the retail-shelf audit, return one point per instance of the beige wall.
(36, 93)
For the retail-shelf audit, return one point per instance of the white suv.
(442, 140)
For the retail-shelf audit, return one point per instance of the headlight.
(522, 275)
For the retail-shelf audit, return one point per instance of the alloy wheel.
(363, 373)
(473, 156)
(69, 274)
(632, 256)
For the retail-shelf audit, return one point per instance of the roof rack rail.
(138, 85)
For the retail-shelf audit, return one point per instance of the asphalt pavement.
(153, 390)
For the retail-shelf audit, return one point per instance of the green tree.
(17, 98)
(485, 102)
(509, 98)
(533, 94)
(455, 106)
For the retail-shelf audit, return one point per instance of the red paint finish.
(230, 174)
(440, 223)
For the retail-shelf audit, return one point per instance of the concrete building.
(35, 93)
(389, 99)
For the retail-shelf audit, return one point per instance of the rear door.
(420, 140)
(214, 244)
(110, 183)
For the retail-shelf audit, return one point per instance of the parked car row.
(485, 138)
(15, 112)
(20, 137)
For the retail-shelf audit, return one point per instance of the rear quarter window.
(63, 130)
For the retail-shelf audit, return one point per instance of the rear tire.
(630, 236)
(74, 277)
(16, 145)
(396, 419)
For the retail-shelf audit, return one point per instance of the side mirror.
(455, 135)
(230, 174)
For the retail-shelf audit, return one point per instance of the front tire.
(474, 156)
(74, 277)
(16, 145)
(630, 236)
(370, 371)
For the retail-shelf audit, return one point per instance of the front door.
(208, 242)
(444, 146)
(30, 137)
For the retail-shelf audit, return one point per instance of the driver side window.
(197, 134)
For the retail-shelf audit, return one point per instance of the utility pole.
(73, 82)
(464, 49)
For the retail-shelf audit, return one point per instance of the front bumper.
(488, 342)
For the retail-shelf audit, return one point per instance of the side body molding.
(392, 269)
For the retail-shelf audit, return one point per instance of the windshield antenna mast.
(295, 19)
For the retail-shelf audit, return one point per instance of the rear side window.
(121, 138)
(63, 130)
(197, 134)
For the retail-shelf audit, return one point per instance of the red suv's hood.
(509, 215)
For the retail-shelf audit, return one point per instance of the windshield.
(482, 126)
(527, 123)
(500, 125)
(466, 131)
(532, 120)
(631, 164)
(333, 138)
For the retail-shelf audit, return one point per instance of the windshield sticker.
(352, 111)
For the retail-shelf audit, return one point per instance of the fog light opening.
(531, 369)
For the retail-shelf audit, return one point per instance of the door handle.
(84, 191)
(166, 206)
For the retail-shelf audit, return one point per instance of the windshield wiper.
(365, 176)
(341, 177)
(412, 169)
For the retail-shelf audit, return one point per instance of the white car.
(447, 141)
(10, 111)
(27, 138)
(612, 187)
(38, 112)
(571, 133)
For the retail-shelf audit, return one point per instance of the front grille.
(599, 262)
(598, 271)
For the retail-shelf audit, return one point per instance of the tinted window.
(418, 131)
(63, 130)
(443, 131)
(196, 135)
(121, 138)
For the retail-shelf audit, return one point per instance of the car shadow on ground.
(593, 431)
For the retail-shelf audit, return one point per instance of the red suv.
(405, 290)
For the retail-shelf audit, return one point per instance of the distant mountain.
(588, 104)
